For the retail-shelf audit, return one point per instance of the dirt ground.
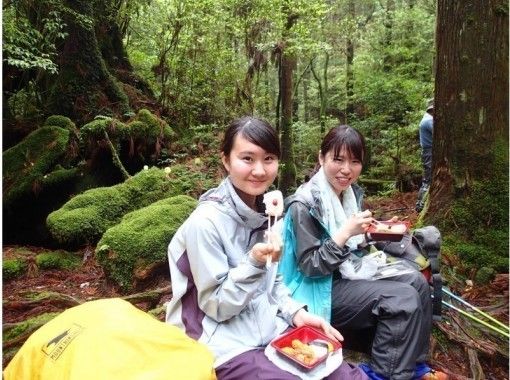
(88, 282)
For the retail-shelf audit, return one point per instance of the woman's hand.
(357, 224)
(304, 318)
(261, 251)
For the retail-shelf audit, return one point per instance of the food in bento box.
(396, 228)
(387, 230)
(305, 346)
(301, 351)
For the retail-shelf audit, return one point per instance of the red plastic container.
(305, 334)
(375, 233)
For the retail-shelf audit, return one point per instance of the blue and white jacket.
(219, 293)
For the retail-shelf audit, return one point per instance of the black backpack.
(421, 249)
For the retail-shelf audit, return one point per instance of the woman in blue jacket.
(327, 225)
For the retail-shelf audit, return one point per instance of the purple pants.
(254, 365)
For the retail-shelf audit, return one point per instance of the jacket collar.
(226, 195)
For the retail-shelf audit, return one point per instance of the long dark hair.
(340, 137)
(256, 131)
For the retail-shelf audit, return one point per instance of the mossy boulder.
(57, 260)
(84, 218)
(130, 251)
(26, 164)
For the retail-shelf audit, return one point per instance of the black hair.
(256, 131)
(344, 136)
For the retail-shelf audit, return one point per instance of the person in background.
(426, 135)
(217, 259)
(327, 227)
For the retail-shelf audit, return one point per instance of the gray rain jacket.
(219, 293)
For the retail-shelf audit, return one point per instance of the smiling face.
(251, 169)
(341, 170)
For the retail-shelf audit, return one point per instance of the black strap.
(437, 284)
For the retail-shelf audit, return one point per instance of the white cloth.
(321, 371)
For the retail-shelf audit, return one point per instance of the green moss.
(12, 268)
(57, 260)
(96, 129)
(147, 125)
(484, 275)
(62, 122)
(141, 239)
(20, 328)
(88, 215)
(25, 164)
(60, 176)
(477, 229)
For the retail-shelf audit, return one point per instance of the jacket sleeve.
(222, 291)
(315, 256)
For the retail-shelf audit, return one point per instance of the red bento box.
(387, 231)
(305, 334)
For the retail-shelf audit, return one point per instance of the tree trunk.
(349, 72)
(288, 172)
(388, 34)
(287, 180)
(471, 104)
(84, 87)
(306, 100)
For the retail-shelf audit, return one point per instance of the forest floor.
(88, 282)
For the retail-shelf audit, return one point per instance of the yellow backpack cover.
(110, 339)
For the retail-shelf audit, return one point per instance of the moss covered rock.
(57, 260)
(26, 164)
(85, 218)
(129, 251)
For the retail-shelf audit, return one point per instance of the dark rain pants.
(400, 311)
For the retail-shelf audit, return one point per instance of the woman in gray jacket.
(221, 293)
(327, 227)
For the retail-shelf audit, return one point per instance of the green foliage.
(193, 179)
(26, 164)
(88, 215)
(140, 240)
(57, 260)
(12, 268)
(478, 222)
(27, 47)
